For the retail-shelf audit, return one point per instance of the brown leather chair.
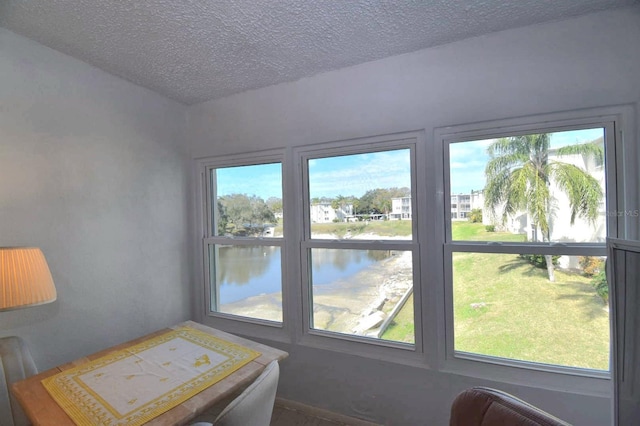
(490, 407)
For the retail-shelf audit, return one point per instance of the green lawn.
(377, 227)
(505, 307)
(401, 328)
(467, 231)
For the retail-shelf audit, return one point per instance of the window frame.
(430, 298)
(352, 344)
(278, 331)
(614, 120)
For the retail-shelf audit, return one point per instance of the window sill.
(249, 327)
(378, 350)
(577, 381)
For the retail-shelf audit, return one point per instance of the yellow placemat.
(134, 385)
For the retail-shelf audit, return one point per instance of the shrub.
(490, 228)
(591, 265)
(475, 216)
(599, 281)
(538, 260)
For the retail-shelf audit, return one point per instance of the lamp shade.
(25, 279)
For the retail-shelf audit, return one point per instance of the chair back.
(254, 406)
(490, 407)
(15, 364)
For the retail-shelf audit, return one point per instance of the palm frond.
(496, 190)
(589, 149)
(537, 197)
(511, 145)
(514, 198)
(505, 162)
(583, 190)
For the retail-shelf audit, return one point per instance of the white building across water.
(324, 213)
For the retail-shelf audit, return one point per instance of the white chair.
(254, 406)
(15, 364)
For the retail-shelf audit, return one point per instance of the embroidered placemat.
(134, 385)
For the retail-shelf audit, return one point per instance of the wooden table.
(42, 409)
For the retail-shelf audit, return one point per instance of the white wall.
(94, 171)
(584, 62)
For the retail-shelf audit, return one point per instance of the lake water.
(245, 271)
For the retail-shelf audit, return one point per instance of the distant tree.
(318, 200)
(237, 208)
(275, 204)
(341, 201)
(378, 201)
(246, 213)
(222, 218)
(338, 202)
(260, 215)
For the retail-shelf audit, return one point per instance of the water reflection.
(329, 265)
(245, 271)
(238, 265)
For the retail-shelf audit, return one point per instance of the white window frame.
(621, 190)
(392, 351)
(278, 331)
(432, 321)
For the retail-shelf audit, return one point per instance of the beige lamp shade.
(25, 279)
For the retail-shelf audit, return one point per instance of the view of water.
(245, 271)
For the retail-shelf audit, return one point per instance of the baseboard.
(323, 414)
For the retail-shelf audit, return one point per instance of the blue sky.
(468, 159)
(263, 180)
(356, 174)
(328, 177)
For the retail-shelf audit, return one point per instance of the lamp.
(25, 279)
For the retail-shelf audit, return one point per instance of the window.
(526, 284)
(245, 241)
(358, 272)
(426, 253)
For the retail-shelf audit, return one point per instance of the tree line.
(242, 214)
(374, 201)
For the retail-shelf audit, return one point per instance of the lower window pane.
(506, 306)
(363, 292)
(246, 281)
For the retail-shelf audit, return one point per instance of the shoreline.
(356, 305)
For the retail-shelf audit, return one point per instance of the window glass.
(546, 187)
(248, 201)
(363, 292)
(505, 306)
(246, 281)
(361, 196)
(245, 278)
(360, 252)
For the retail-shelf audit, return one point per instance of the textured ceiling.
(197, 50)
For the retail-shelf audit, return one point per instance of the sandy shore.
(347, 305)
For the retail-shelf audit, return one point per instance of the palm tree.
(519, 174)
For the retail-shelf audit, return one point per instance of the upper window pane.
(361, 196)
(248, 201)
(546, 187)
